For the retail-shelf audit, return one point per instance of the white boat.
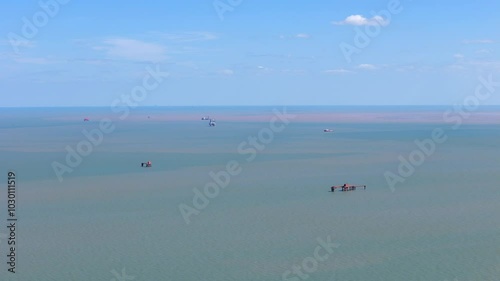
(328, 130)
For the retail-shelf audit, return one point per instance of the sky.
(242, 52)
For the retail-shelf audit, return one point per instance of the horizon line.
(293, 105)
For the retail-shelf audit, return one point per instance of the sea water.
(110, 219)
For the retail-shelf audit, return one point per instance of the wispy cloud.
(182, 37)
(296, 36)
(20, 43)
(415, 67)
(456, 67)
(366, 66)
(359, 20)
(483, 51)
(131, 49)
(486, 65)
(338, 71)
(34, 60)
(284, 57)
(458, 56)
(478, 41)
(226, 72)
(293, 71)
(303, 36)
(24, 59)
(264, 68)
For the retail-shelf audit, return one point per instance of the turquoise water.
(109, 214)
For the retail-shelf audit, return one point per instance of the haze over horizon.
(251, 53)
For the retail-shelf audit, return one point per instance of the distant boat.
(86, 119)
(212, 123)
(328, 130)
(347, 187)
(205, 118)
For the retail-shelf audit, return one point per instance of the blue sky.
(258, 53)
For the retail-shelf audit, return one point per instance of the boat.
(346, 187)
(328, 130)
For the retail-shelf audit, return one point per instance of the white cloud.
(480, 41)
(405, 68)
(456, 67)
(33, 60)
(338, 71)
(479, 65)
(227, 72)
(359, 20)
(367, 66)
(303, 36)
(131, 49)
(264, 70)
(483, 51)
(296, 36)
(458, 56)
(486, 65)
(294, 71)
(22, 59)
(187, 36)
(21, 43)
